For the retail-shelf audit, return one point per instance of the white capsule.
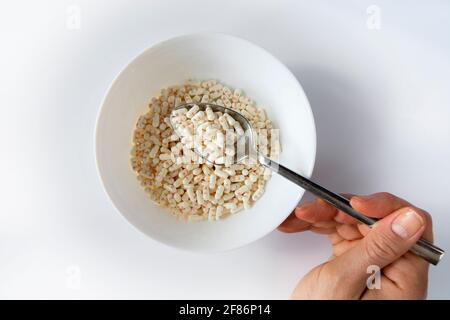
(205, 192)
(250, 109)
(210, 132)
(153, 152)
(197, 179)
(212, 147)
(213, 156)
(210, 114)
(228, 196)
(237, 167)
(220, 173)
(211, 213)
(227, 184)
(230, 119)
(219, 192)
(228, 161)
(248, 183)
(246, 203)
(170, 188)
(191, 194)
(212, 181)
(193, 110)
(237, 178)
(202, 126)
(223, 122)
(229, 151)
(187, 179)
(261, 114)
(155, 140)
(183, 205)
(242, 189)
(205, 99)
(219, 212)
(230, 206)
(258, 193)
(155, 120)
(199, 195)
(180, 111)
(220, 160)
(206, 170)
(198, 116)
(164, 156)
(220, 139)
(237, 209)
(238, 128)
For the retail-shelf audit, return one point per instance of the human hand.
(356, 247)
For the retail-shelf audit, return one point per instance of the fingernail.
(407, 224)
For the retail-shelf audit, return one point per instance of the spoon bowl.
(249, 150)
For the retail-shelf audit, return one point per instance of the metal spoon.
(422, 248)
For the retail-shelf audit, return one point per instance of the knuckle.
(381, 248)
(426, 216)
(387, 196)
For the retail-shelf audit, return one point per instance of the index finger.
(378, 205)
(382, 204)
(316, 211)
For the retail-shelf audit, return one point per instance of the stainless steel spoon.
(422, 248)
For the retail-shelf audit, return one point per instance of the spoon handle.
(422, 248)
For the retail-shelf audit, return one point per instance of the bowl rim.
(155, 46)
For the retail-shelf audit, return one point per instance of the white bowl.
(239, 64)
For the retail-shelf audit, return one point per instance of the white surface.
(204, 56)
(380, 100)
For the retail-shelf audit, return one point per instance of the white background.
(380, 99)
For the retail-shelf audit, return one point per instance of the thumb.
(388, 239)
